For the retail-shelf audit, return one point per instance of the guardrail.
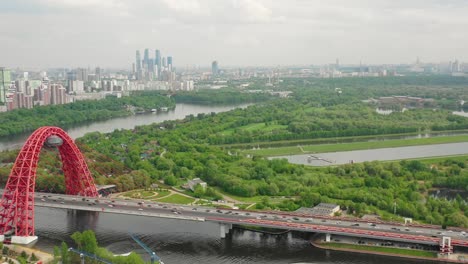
(339, 230)
(119, 211)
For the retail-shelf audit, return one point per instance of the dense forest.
(25, 120)
(224, 96)
(134, 158)
(361, 188)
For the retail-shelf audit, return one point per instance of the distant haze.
(70, 33)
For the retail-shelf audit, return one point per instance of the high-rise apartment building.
(82, 74)
(157, 61)
(214, 68)
(157, 58)
(169, 62)
(146, 58)
(58, 94)
(5, 81)
(98, 73)
(138, 61)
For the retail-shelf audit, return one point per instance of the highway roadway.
(281, 220)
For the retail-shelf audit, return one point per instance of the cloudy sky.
(69, 33)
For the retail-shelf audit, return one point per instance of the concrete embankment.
(452, 259)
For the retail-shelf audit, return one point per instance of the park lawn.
(357, 146)
(140, 194)
(146, 194)
(162, 194)
(254, 199)
(177, 199)
(131, 194)
(400, 251)
(256, 126)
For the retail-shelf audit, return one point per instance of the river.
(128, 122)
(177, 241)
(343, 157)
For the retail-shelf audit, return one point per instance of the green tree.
(22, 260)
(86, 241)
(64, 254)
(56, 253)
(170, 180)
(198, 191)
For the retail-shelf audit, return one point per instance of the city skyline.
(236, 33)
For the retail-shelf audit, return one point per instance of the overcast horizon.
(106, 33)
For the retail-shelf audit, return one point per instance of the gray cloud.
(47, 33)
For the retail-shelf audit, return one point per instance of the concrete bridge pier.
(327, 237)
(224, 229)
(21, 240)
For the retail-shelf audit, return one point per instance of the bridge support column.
(327, 237)
(446, 246)
(23, 240)
(224, 229)
(20, 239)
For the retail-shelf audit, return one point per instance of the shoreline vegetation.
(337, 140)
(176, 151)
(139, 102)
(27, 120)
(323, 148)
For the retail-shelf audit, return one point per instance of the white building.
(192, 183)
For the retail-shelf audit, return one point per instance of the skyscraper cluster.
(153, 69)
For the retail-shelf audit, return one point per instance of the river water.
(178, 241)
(128, 122)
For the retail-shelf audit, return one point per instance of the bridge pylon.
(224, 229)
(446, 247)
(17, 203)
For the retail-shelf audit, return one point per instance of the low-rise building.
(192, 183)
(327, 209)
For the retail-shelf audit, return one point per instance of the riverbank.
(126, 122)
(385, 251)
(324, 148)
(41, 255)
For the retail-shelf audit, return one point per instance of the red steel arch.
(18, 197)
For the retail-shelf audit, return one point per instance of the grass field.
(400, 251)
(335, 140)
(357, 146)
(177, 199)
(139, 194)
(162, 194)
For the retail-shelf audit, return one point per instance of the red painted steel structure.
(17, 202)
